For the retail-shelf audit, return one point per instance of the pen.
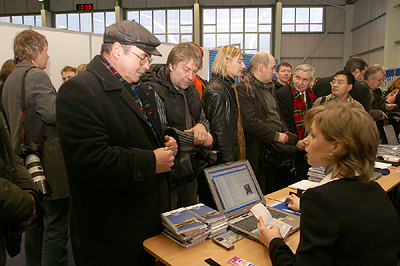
(294, 212)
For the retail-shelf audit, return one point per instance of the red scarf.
(300, 109)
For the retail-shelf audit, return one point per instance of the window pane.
(237, 20)
(316, 15)
(186, 29)
(110, 18)
(209, 40)
(237, 39)
(288, 28)
(209, 16)
(86, 22)
(16, 19)
(146, 19)
(159, 21)
(223, 20)
(265, 42)
(73, 22)
(5, 19)
(222, 39)
(302, 15)
(250, 41)
(250, 51)
(264, 28)
(38, 20)
(133, 15)
(61, 21)
(173, 21)
(186, 17)
(208, 29)
(288, 15)
(186, 38)
(302, 27)
(173, 38)
(264, 15)
(29, 20)
(162, 38)
(98, 22)
(251, 19)
(315, 27)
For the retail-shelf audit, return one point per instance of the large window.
(33, 20)
(246, 28)
(171, 25)
(302, 19)
(94, 22)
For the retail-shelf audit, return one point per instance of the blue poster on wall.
(391, 74)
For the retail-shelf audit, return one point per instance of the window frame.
(295, 23)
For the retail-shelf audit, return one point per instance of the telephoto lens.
(34, 166)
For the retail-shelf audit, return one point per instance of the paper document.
(259, 209)
(304, 185)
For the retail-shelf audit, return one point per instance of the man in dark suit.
(357, 66)
(115, 151)
(294, 101)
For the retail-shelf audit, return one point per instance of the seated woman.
(347, 220)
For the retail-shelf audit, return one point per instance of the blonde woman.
(347, 220)
(220, 102)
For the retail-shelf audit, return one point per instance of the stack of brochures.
(216, 221)
(183, 228)
(316, 174)
(389, 154)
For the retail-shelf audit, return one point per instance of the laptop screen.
(234, 186)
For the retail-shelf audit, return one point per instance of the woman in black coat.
(220, 102)
(347, 220)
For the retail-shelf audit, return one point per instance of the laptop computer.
(234, 188)
(390, 135)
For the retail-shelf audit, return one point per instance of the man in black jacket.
(357, 66)
(116, 154)
(179, 106)
(262, 121)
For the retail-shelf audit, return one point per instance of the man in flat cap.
(116, 152)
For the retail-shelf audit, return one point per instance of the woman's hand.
(267, 233)
(293, 202)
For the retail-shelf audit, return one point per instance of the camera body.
(30, 154)
(212, 157)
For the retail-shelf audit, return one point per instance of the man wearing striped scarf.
(294, 100)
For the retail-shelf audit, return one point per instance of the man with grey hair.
(262, 122)
(179, 106)
(116, 152)
(294, 101)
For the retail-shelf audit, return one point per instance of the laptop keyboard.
(249, 223)
(277, 215)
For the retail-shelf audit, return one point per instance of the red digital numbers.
(84, 7)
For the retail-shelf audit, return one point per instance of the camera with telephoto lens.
(30, 154)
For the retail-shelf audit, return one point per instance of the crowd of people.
(124, 140)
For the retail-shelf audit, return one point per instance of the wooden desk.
(170, 253)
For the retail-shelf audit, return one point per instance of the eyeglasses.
(143, 59)
(334, 82)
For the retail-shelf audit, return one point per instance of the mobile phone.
(223, 242)
(212, 262)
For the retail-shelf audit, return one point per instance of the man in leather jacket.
(179, 107)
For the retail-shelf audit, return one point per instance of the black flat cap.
(132, 33)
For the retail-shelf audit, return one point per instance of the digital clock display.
(84, 6)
